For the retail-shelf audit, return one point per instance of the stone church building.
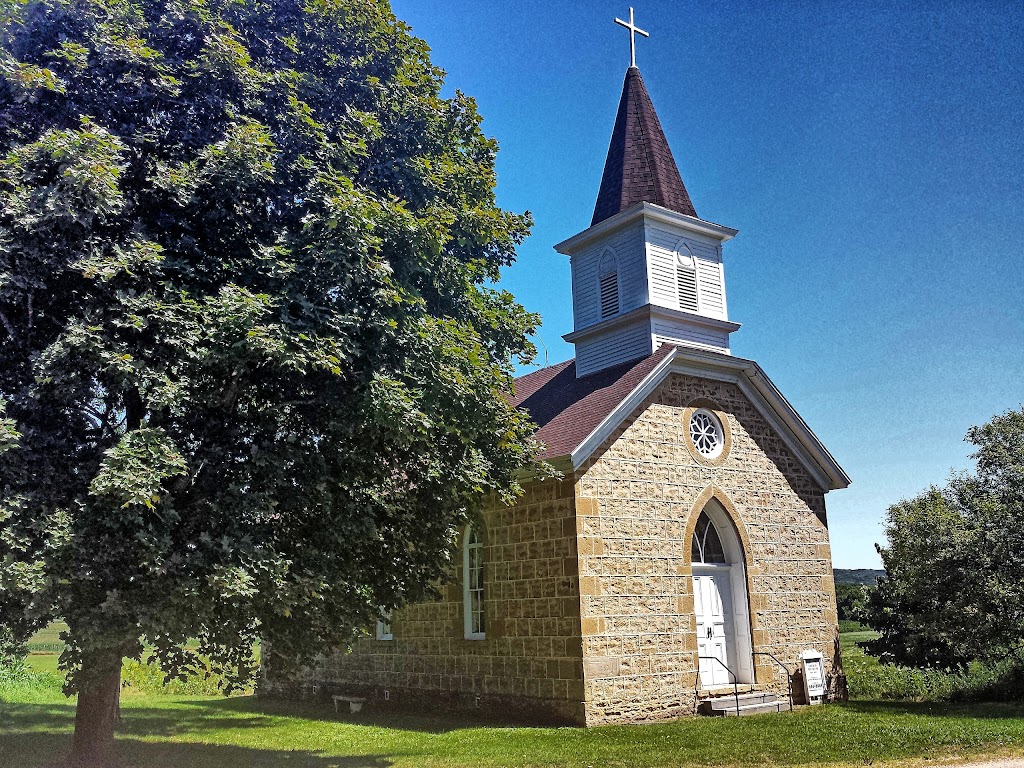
(686, 546)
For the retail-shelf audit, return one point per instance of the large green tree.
(251, 370)
(953, 589)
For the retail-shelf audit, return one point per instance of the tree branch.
(134, 410)
(7, 324)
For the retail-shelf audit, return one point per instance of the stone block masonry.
(529, 666)
(638, 501)
(588, 582)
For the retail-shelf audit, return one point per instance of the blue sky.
(871, 155)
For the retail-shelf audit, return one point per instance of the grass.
(870, 680)
(45, 647)
(165, 731)
(160, 731)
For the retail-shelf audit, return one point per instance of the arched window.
(706, 546)
(608, 285)
(384, 626)
(686, 277)
(473, 583)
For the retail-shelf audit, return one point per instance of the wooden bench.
(355, 703)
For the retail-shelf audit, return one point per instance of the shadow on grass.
(318, 710)
(43, 750)
(141, 721)
(185, 715)
(39, 736)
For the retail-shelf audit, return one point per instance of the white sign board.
(814, 676)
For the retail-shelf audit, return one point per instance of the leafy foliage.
(253, 372)
(953, 592)
(851, 600)
(868, 679)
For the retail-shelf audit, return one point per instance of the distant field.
(45, 647)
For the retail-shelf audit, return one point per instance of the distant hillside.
(857, 576)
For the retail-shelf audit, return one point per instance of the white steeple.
(647, 271)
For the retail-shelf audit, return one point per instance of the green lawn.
(856, 663)
(248, 732)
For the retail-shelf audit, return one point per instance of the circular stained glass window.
(706, 433)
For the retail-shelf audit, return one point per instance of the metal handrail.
(789, 675)
(735, 682)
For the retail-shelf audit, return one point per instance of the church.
(683, 553)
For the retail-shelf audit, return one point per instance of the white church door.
(719, 601)
(712, 605)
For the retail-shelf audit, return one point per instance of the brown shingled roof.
(567, 409)
(639, 167)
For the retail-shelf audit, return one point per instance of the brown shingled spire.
(640, 166)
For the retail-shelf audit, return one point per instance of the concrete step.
(749, 704)
(757, 709)
(729, 700)
(727, 690)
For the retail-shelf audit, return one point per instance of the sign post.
(814, 676)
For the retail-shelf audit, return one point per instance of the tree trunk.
(98, 711)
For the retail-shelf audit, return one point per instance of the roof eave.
(649, 310)
(644, 210)
(755, 384)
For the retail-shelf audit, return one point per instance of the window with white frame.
(706, 546)
(473, 583)
(686, 277)
(384, 626)
(608, 285)
(707, 434)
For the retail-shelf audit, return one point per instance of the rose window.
(706, 433)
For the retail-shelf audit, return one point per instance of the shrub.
(150, 679)
(868, 679)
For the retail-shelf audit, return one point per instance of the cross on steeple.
(633, 31)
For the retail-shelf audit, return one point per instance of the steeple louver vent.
(686, 277)
(687, 280)
(608, 285)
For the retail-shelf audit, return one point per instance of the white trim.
(742, 658)
(645, 211)
(754, 384)
(608, 323)
(648, 311)
(619, 413)
(691, 317)
(710, 566)
(721, 282)
(689, 253)
(467, 597)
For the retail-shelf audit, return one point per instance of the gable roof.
(639, 167)
(575, 416)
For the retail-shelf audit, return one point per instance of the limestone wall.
(530, 663)
(638, 501)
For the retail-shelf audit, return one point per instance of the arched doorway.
(720, 600)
